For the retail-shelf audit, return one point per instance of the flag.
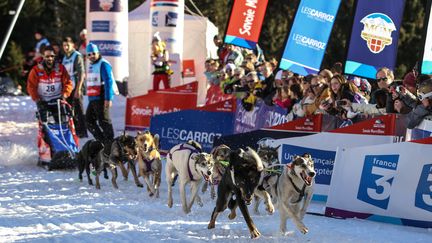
(374, 37)
(245, 22)
(307, 40)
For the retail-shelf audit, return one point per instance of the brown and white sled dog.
(220, 155)
(149, 161)
(294, 191)
(191, 165)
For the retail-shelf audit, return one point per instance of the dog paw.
(201, 204)
(211, 225)
(213, 196)
(98, 187)
(270, 209)
(170, 204)
(151, 194)
(304, 230)
(106, 177)
(139, 185)
(232, 215)
(255, 234)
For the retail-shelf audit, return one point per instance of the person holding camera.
(424, 109)
(47, 82)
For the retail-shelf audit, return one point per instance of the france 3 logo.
(377, 31)
(377, 179)
(423, 196)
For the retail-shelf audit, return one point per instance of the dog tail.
(156, 141)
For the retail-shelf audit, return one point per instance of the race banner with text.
(305, 47)
(374, 37)
(426, 63)
(140, 109)
(198, 125)
(244, 26)
(387, 183)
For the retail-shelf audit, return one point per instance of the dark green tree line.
(59, 18)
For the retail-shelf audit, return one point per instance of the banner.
(323, 146)
(307, 40)
(201, 126)
(140, 109)
(388, 183)
(227, 106)
(423, 130)
(215, 95)
(426, 64)
(261, 116)
(107, 26)
(374, 37)
(244, 26)
(297, 128)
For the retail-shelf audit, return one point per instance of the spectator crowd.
(247, 75)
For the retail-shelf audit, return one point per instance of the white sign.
(391, 180)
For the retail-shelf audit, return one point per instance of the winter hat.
(279, 75)
(156, 37)
(83, 32)
(409, 80)
(92, 48)
(230, 66)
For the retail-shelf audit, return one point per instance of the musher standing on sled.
(74, 64)
(47, 82)
(100, 90)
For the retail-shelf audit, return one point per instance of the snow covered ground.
(41, 206)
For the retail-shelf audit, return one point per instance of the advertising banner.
(201, 126)
(423, 130)
(389, 183)
(244, 26)
(215, 95)
(107, 26)
(323, 146)
(374, 37)
(261, 116)
(297, 128)
(140, 109)
(426, 63)
(227, 106)
(305, 47)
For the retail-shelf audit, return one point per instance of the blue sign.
(423, 198)
(261, 116)
(171, 19)
(377, 178)
(109, 48)
(323, 160)
(374, 37)
(202, 126)
(309, 35)
(100, 26)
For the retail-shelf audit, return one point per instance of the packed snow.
(41, 206)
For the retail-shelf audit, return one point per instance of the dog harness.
(148, 164)
(192, 150)
(301, 192)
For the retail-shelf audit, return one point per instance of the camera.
(341, 103)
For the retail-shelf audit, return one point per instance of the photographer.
(424, 109)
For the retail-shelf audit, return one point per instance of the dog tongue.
(309, 179)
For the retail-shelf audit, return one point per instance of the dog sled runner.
(57, 141)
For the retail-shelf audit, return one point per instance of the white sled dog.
(190, 164)
(294, 191)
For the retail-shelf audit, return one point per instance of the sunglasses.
(48, 56)
(91, 54)
(315, 85)
(381, 79)
(423, 96)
